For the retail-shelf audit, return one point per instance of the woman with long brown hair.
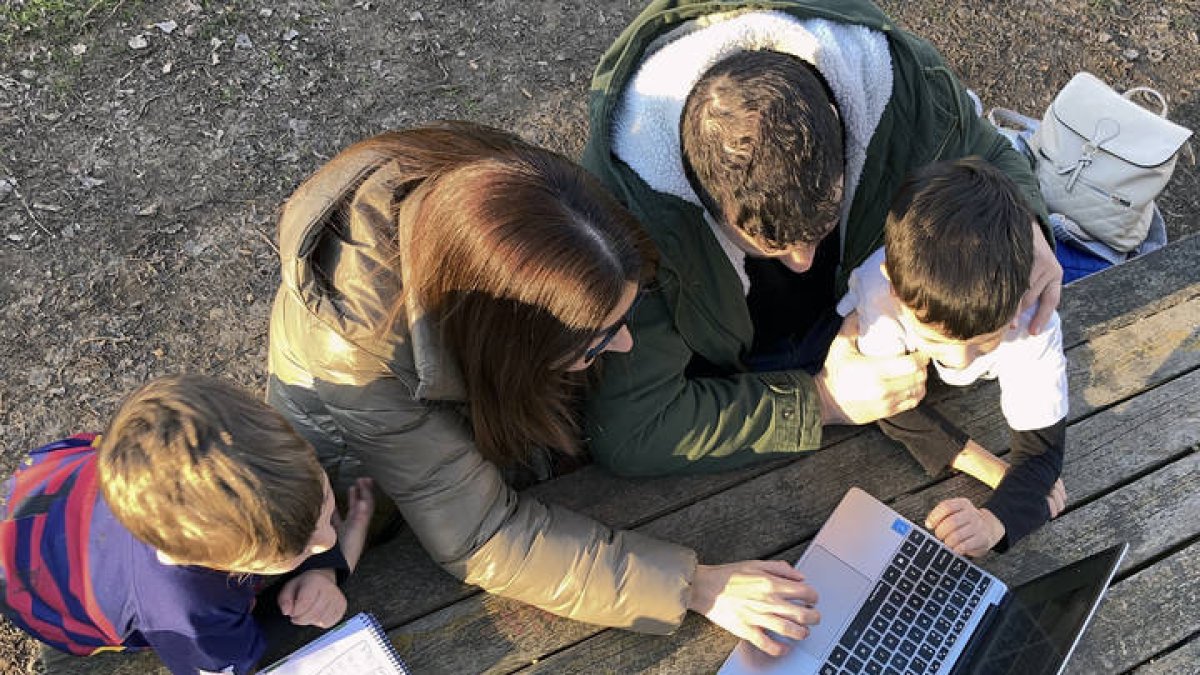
(444, 288)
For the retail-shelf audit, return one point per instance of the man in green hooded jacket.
(759, 221)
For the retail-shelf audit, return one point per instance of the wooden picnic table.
(1132, 336)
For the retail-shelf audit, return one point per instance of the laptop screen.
(1037, 630)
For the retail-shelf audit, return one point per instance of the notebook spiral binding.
(383, 639)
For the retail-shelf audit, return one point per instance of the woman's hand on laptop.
(752, 597)
(967, 530)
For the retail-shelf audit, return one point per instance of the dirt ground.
(145, 149)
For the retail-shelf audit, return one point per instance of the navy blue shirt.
(194, 618)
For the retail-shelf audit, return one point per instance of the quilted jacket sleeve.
(650, 416)
(483, 532)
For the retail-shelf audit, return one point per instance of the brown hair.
(519, 256)
(209, 475)
(959, 245)
(762, 148)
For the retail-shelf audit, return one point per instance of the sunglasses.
(607, 335)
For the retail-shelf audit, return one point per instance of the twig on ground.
(83, 19)
(268, 240)
(146, 104)
(24, 204)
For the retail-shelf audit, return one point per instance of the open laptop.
(894, 600)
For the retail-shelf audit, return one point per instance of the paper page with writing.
(358, 646)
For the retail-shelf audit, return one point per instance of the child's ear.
(883, 269)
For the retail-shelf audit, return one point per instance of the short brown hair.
(762, 148)
(519, 256)
(959, 245)
(209, 475)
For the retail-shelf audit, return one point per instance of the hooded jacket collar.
(853, 59)
(341, 240)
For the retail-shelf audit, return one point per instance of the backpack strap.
(47, 588)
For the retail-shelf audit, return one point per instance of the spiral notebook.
(357, 646)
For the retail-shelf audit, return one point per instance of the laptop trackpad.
(840, 591)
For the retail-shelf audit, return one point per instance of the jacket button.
(788, 413)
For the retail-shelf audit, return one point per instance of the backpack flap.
(1117, 125)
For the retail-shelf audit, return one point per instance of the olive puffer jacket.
(392, 398)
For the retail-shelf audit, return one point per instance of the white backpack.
(1102, 159)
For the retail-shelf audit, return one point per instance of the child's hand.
(352, 530)
(313, 599)
(1057, 499)
(965, 529)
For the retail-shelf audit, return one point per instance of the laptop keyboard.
(914, 614)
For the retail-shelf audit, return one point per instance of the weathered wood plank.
(1168, 341)
(1125, 294)
(721, 528)
(1182, 660)
(1166, 496)
(1142, 615)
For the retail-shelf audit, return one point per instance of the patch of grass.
(53, 20)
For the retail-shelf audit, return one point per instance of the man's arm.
(647, 416)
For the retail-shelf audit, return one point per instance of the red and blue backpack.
(45, 584)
